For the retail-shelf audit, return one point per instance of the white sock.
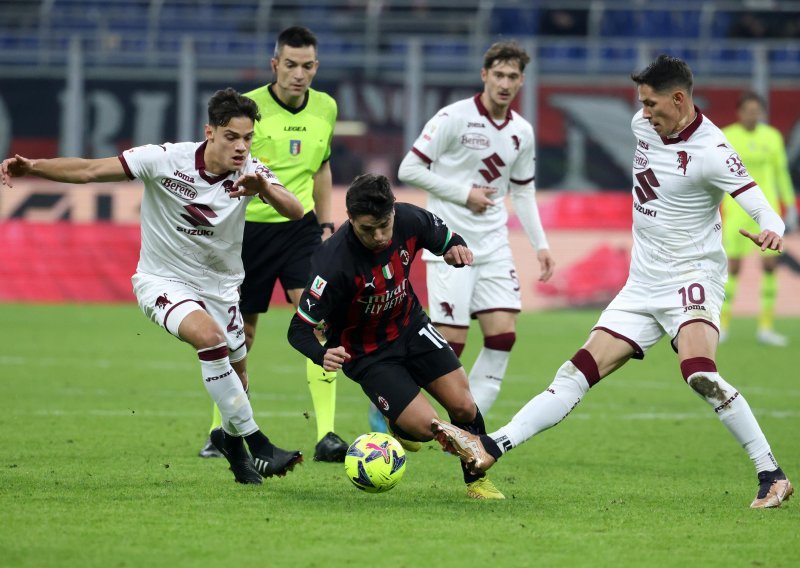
(224, 386)
(734, 412)
(486, 376)
(546, 409)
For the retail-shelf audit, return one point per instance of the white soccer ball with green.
(375, 462)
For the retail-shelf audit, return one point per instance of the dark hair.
(296, 36)
(506, 51)
(665, 73)
(370, 194)
(227, 104)
(748, 96)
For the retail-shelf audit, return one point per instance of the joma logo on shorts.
(218, 377)
(693, 307)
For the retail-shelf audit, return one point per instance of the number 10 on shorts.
(433, 335)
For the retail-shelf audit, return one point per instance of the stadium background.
(93, 78)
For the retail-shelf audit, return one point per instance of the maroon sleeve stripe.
(125, 167)
(422, 156)
(522, 182)
(743, 189)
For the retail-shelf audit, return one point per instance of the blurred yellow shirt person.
(762, 151)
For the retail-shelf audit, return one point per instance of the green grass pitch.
(102, 414)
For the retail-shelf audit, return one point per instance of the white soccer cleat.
(770, 337)
(466, 446)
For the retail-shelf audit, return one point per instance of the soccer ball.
(375, 462)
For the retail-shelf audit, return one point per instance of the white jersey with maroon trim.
(191, 229)
(464, 145)
(678, 184)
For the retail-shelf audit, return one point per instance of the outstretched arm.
(68, 170)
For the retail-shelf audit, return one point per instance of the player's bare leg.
(697, 345)
(452, 392)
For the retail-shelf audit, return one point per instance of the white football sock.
(486, 376)
(224, 386)
(734, 412)
(546, 409)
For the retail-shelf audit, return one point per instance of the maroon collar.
(483, 111)
(684, 134)
(200, 165)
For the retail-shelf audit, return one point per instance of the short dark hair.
(748, 96)
(506, 51)
(226, 104)
(296, 36)
(665, 73)
(370, 194)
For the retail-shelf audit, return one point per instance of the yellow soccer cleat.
(483, 488)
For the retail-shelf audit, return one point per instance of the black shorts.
(392, 377)
(276, 251)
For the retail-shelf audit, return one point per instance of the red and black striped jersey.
(363, 297)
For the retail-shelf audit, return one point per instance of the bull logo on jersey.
(515, 140)
(227, 185)
(447, 309)
(405, 257)
(162, 301)
(294, 147)
(683, 160)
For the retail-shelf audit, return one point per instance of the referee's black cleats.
(232, 448)
(272, 460)
(331, 448)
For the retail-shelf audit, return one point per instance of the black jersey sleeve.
(433, 232)
(320, 297)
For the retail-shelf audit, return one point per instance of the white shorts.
(641, 314)
(457, 294)
(167, 302)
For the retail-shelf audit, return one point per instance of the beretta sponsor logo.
(475, 141)
(182, 190)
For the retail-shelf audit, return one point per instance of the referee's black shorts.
(276, 251)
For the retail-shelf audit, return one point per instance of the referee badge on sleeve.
(318, 286)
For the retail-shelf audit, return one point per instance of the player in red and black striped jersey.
(376, 329)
